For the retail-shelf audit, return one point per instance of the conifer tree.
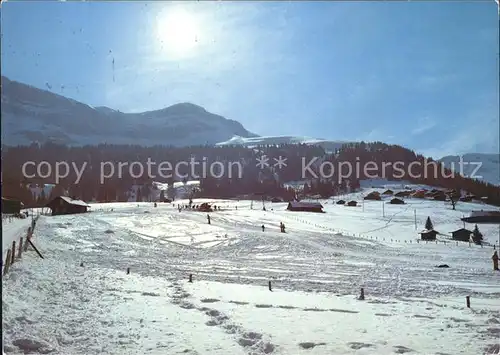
(477, 236)
(428, 224)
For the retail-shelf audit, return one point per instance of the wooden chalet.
(403, 194)
(418, 194)
(340, 202)
(297, 206)
(388, 192)
(352, 203)
(65, 205)
(397, 201)
(428, 234)
(11, 206)
(483, 217)
(461, 234)
(439, 196)
(373, 196)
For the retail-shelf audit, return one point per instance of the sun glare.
(177, 31)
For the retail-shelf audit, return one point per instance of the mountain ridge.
(31, 114)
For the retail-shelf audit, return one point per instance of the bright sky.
(421, 74)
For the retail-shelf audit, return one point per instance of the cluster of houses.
(397, 200)
(302, 206)
(429, 233)
(434, 194)
(461, 234)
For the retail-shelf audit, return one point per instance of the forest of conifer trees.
(270, 181)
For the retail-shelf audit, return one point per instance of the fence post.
(13, 255)
(467, 300)
(26, 244)
(270, 288)
(20, 252)
(7, 262)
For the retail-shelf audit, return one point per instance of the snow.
(12, 230)
(74, 202)
(316, 268)
(252, 142)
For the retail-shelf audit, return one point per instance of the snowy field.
(317, 268)
(12, 230)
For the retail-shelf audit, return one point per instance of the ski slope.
(316, 269)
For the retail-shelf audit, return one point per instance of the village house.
(483, 217)
(439, 196)
(418, 194)
(461, 234)
(428, 234)
(374, 195)
(352, 203)
(11, 206)
(65, 205)
(304, 206)
(388, 192)
(403, 194)
(397, 201)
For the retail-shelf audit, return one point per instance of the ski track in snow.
(98, 309)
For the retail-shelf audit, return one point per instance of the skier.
(495, 261)
(263, 228)
(208, 218)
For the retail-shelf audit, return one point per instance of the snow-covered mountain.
(31, 115)
(251, 142)
(480, 166)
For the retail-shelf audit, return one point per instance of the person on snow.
(208, 218)
(263, 228)
(495, 260)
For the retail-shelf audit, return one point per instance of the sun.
(177, 31)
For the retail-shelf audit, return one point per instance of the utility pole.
(383, 209)
(415, 218)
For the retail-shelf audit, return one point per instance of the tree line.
(268, 180)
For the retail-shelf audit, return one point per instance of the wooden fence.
(16, 251)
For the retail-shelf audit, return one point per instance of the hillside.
(252, 142)
(95, 172)
(80, 299)
(31, 115)
(487, 165)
